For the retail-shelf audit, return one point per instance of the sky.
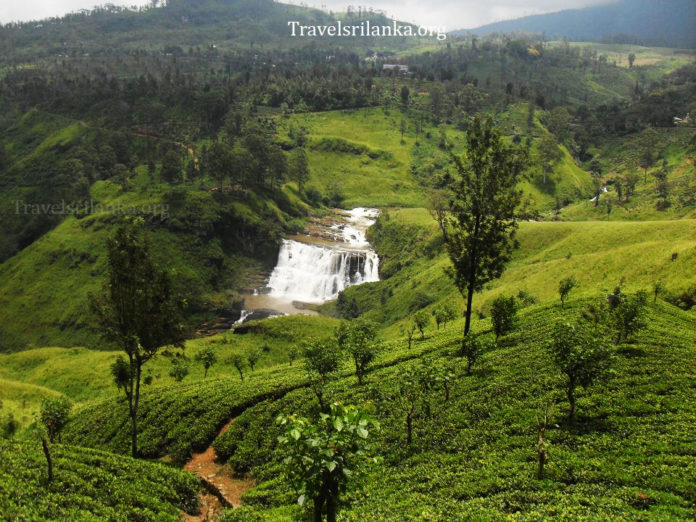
(452, 14)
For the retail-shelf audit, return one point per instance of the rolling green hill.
(90, 485)
(629, 455)
(599, 254)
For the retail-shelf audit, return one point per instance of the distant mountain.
(180, 24)
(668, 23)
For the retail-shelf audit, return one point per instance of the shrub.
(565, 286)
(581, 355)
(503, 315)
(54, 416)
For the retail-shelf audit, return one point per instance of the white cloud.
(456, 14)
(453, 14)
(13, 10)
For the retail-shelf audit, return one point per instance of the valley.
(355, 280)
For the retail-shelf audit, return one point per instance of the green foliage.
(504, 315)
(582, 356)
(472, 348)
(444, 314)
(322, 359)
(241, 363)
(359, 339)
(207, 358)
(565, 286)
(421, 319)
(628, 316)
(293, 354)
(136, 311)
(323, 457)
(91, 484)
(253, 357)
(482, 224)
(54, 415)
(120, 371)
(179, 369)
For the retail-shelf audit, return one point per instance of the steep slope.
(668, 23)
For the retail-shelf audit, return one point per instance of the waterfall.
(315, 274)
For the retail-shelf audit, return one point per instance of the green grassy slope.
(361, 152)
(629, 454)
(90, 485)
(598, 254)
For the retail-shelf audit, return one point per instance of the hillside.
(481, 440)
(473, 455)
(211, 26)
(232, 254)
(665, 23)
(90, 485)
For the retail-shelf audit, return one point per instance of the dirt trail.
(224, 488)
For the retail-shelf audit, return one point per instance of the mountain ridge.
(667, 23)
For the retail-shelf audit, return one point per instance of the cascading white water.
(315, 274)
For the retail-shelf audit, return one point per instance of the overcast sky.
(453, 14)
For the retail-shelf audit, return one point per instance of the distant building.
(401, 69)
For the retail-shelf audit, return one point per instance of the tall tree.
(482, 221)
(171, 167)
(299, 167)
(136, 309)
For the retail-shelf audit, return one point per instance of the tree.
(658, 288)
(136, 310)
(631, 60)
(628, 316)
(405, 95)
(120, 371)
(322, 360)
(565, 286)
(559, 123)
(54, 415)
(503, 315)
(472, 348)
(410, 330)
(549, 154)
(421, 320)
(358, 338)
(299, 168)
(581, 355)
(121, 174)
(541, 441)
(253, 357)
(179, 369)
(438, 208)
(240, 363)
(410, 390)
(206, 357)
(482, 223)
(293, 354)
(171, 167)
(321, 458)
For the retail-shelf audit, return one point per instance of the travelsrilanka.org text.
(366, 29)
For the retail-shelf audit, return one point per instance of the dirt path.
(224, 488)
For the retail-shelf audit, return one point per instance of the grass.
(598, 254)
